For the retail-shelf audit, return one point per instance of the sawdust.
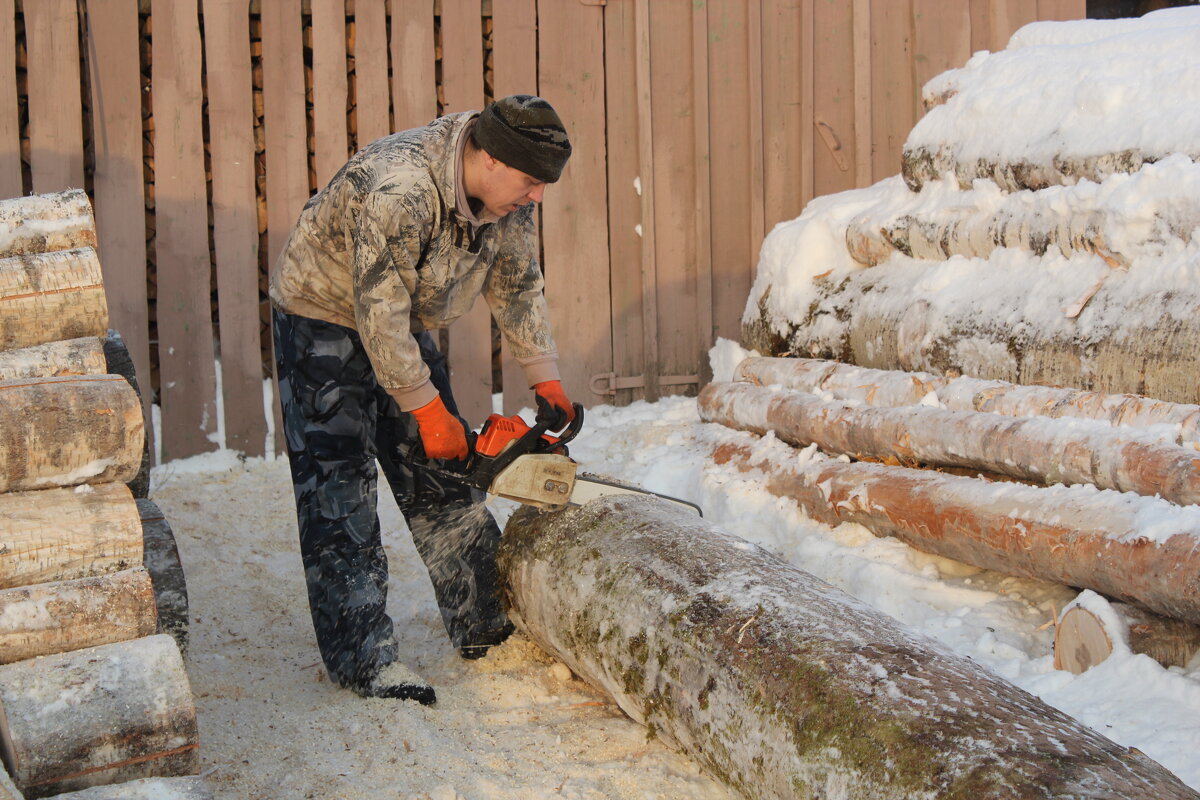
(273, 727)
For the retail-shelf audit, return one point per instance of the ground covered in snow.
(517, 725)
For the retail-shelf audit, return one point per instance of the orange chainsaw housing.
(499, 432)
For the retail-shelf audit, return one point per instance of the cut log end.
(1082, 639)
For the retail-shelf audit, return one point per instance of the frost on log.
(780, 684)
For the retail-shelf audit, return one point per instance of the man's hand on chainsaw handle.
(442, 435)
(553, 405)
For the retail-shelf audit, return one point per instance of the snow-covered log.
(1140, 550)
(64, 534)
(67, 431)
(42, 223)
(183, 788)
(1027, 448)
(1085, 635)
(70, 615)
(51, 296)
(161, 557)
(877, 387)
(102, 715)
(83, 356)
(921, 165)
(990, 320)
(780, 684)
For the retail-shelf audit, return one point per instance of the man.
(401, 242)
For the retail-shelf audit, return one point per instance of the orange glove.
(553, 405)
(442, 435)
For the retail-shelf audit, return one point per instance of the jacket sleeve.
(389, 237)
(515, 293)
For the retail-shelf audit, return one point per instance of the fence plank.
(330, 139)
(55, 113)
(575, 229)
(648, 175)
(941, 39)
(371, 71)
(514, 59)
(1061, 9)
(782, 107)
(187, 391)
(10, 124)
(993, 22)
(235, 221)
(701, 165)
(834, 156)
(892, 96)
(731, 145)
(116, 83)
(414, 85)
(470, 338)
(284, 120)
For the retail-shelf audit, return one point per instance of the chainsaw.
(514, 460)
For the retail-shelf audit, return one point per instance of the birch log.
(65, 534)
(58, 617)
(1084, 638)
(1137, 549)
(68, 431)
(42, 223)
(161, 557)
(97, 716)
(1027, 448)
(922, 165)
(182, 788)
(877, 387)
(51, 296)
(780, 684)
(83, 356)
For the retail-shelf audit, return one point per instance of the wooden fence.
(200, 127)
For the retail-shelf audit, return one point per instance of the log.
(878, 387)
(183, 788)
(8, 789)
(161, 558)
(1139, 550)
(66, 534)
(50, 296)
(1088, 631)
(97, 716)
(921, 165)
(1026, 448)
(67, 431)
(43, 223)
(83, 356)
(70, 615)
(780, 684)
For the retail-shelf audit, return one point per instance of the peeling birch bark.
(67, 431)
(184, 788)
(877, 387)
(83, 356)
(1139, 550)
(42, 223)
(921, 165)
(1027, 448)
(51, 296)
(779, 684)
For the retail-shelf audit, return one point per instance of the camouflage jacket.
(383, 250)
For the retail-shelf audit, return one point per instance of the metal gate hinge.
(607, 383)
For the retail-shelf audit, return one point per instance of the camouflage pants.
(337, 421)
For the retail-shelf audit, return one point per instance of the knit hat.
(525, 133)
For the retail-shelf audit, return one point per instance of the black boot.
(399, 682)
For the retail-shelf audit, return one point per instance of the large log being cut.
(51, 296)
(1029, 448)
(96, 716)
(1138, 549)
(67, 431)
(780, 684)
(878, 387)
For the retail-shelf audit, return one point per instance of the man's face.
(505, 189)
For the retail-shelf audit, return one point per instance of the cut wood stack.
(90, 694)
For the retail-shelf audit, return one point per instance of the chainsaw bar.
(589, 487)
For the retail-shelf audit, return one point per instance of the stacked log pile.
(93, 693)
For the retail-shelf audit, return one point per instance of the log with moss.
(50, 296)
(1027, 448)
(877, 387)
(779, 684)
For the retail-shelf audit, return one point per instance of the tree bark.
(183, 788)
(70, 615)
(922, 165)
(97, 716)
(119, 362)
(83, 356)
(65, 534)
(68, 431)
(51, 296)
(1136, 549)
(43, 223)
(161, 557)
(1083, 639)
(780, 684)
(876, 387)
(1027, 448)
